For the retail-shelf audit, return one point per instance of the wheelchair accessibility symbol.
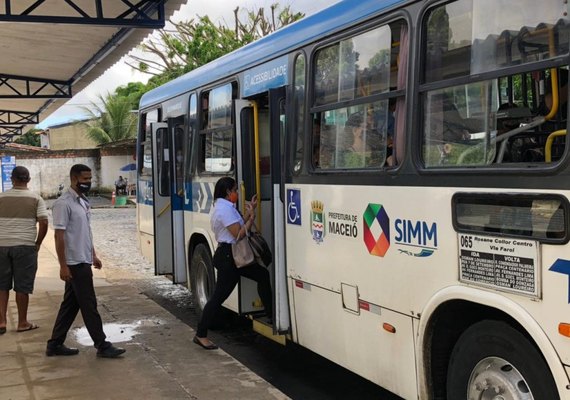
(294, 206)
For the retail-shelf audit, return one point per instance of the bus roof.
(280, 42)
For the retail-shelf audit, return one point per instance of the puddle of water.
(116, 332)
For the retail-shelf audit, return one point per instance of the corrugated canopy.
(51, 49)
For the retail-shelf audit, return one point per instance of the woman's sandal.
(207, 347)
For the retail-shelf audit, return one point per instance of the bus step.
(263, 327)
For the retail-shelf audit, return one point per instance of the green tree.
(194, 43)
(30, 138)
(133, 91)
(110, 121)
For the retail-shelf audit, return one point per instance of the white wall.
(47, 173)
(110, 170)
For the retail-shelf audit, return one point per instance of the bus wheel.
(202, 276)
(492, 360)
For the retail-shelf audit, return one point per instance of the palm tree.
(110, 121)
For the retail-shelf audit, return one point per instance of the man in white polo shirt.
(20, 211)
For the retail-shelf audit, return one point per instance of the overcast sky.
(121, 74)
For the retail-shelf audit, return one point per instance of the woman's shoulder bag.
(242, 252)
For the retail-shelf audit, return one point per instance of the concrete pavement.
(161, 361)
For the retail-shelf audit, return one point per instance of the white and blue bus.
(411, 161)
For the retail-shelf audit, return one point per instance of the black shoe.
(110, 352)
(211, 346)
(61, 350)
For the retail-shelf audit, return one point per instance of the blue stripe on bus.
(188, 204)
(201, 200)
(202, 197)
(176, 201)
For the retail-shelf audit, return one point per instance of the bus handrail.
(553, 77)
(166, 207)
(549, 141)
(507, 135)
(554, 84)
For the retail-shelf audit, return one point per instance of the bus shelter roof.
(51, 50)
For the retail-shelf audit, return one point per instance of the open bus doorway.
(260, 124)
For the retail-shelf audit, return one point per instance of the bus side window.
(163, 160)
(360, 135)
(204, 124)
(505, 118)
(216, 136)
(190, 140)
(145, 163)
(299, 115)
(529, 216)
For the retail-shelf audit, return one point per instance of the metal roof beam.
(10, 131)
(8, 117)
(23, 87)
(5, 139)
(148, 14)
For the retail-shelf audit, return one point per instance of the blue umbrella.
(129, 167)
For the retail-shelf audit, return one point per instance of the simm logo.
(419, 237)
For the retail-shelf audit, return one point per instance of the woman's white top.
(224, 215)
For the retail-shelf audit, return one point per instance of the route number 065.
(467, 242)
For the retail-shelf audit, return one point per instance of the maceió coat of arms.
(317, 221)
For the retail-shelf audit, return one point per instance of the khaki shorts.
(18, 266)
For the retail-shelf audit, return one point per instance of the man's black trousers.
(79, 295)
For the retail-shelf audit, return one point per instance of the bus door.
(277, 107)
(163, 255)
(248, 298)
(168, 175)
(260, 128)
(176, 127)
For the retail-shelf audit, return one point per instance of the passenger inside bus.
(354, 145)
(546, 106)
(383, 124)
(326, 149)
(359, 153)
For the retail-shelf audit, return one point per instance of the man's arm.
(42, 231)
(64, 272)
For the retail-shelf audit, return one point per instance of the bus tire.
(492, 358)
(202, 278)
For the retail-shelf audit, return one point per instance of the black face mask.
(84, 187)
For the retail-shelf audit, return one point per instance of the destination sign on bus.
(272, 74)
(501, 263)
